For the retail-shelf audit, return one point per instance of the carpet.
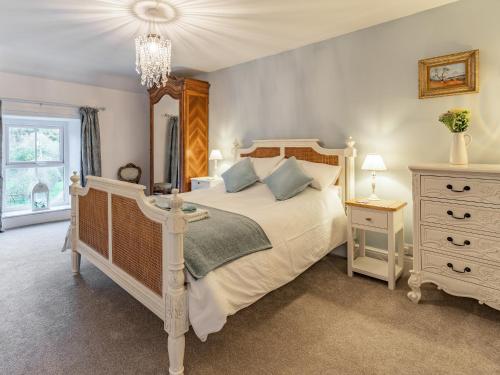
(321, 323)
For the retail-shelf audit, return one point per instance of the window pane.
(21, 144)
(20, 181)
(18, 184)
(54, 178)
(48, 144)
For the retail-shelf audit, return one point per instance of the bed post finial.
(350, 154)
(236, 148)
(73, 190)
(175, 293)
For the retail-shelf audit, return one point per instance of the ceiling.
(92, 41)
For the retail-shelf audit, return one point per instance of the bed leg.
(176, 302)
(75, 262)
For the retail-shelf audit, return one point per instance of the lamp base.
(373, 197)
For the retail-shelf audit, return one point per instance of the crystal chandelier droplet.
(153, 59)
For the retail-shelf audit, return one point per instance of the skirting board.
(10, 222)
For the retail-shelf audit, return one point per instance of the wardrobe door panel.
(195, 137)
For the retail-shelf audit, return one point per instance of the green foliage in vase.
(456, 120)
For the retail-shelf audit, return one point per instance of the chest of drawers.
(456, 231)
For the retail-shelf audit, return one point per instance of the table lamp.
(215, 155)
(373, 163)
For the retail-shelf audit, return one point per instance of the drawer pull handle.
(466, 242)
(450, 187)
(368, 219)
(466, 269)
(466, 215)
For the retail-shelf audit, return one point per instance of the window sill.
(29, 212)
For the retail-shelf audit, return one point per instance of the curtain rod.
(48, 103)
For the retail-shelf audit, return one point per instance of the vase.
(458, 151)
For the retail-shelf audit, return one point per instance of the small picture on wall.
(449, 75)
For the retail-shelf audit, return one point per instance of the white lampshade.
(373, 162)
(215, 155)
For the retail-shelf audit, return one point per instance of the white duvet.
(302, 230)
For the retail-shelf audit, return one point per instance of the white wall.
(124, 123)
(365, 84)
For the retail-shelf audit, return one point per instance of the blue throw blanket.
(220, 239)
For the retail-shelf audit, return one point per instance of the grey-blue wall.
(365, 84)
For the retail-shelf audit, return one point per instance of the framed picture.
(453, 74)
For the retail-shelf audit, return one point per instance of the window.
(36, 149)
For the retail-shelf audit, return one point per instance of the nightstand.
(382, 216)
(198, 183)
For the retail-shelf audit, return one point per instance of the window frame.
(11, 121)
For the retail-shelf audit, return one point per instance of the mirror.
(166, 128)
(186, 98)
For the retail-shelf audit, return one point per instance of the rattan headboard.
(310, 150)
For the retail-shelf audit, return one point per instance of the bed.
(140, 246)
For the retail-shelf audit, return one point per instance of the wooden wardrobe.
(192, 95)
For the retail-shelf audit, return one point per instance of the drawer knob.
(466, 269)
(450, 187)
(466, 215)
(466, 242)
(368, 219)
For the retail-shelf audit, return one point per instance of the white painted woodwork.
(200, 183)
(371, 218)
(390, 223)
(467, 189)
(172, 307)
(458, 252)
(461, 244)
(459, 215)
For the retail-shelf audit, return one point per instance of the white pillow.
(323, 175)
(265, 166)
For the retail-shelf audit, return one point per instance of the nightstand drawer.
(372, 218)
(200, 184)
(461, 188)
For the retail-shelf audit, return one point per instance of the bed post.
(175, 293)
(350, 154)
(75, 255)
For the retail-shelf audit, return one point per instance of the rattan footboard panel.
(309, 154)
(93, 220)
(137, 243)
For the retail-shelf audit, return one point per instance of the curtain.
(172, 154)
(91, 144)
(1, 169)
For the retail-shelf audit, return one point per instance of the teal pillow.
(240, 176)
(288, 180)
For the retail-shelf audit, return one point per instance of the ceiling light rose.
(153, 59)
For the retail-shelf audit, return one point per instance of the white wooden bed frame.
(172, 304)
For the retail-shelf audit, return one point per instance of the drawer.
(461, 243)
(461, 188)
(199, 184)
(461, 216)
(461, 269)
(371, 218)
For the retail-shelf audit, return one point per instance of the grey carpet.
(321, 323)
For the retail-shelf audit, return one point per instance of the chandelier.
(153, 59)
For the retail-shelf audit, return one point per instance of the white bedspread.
(302, 230)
